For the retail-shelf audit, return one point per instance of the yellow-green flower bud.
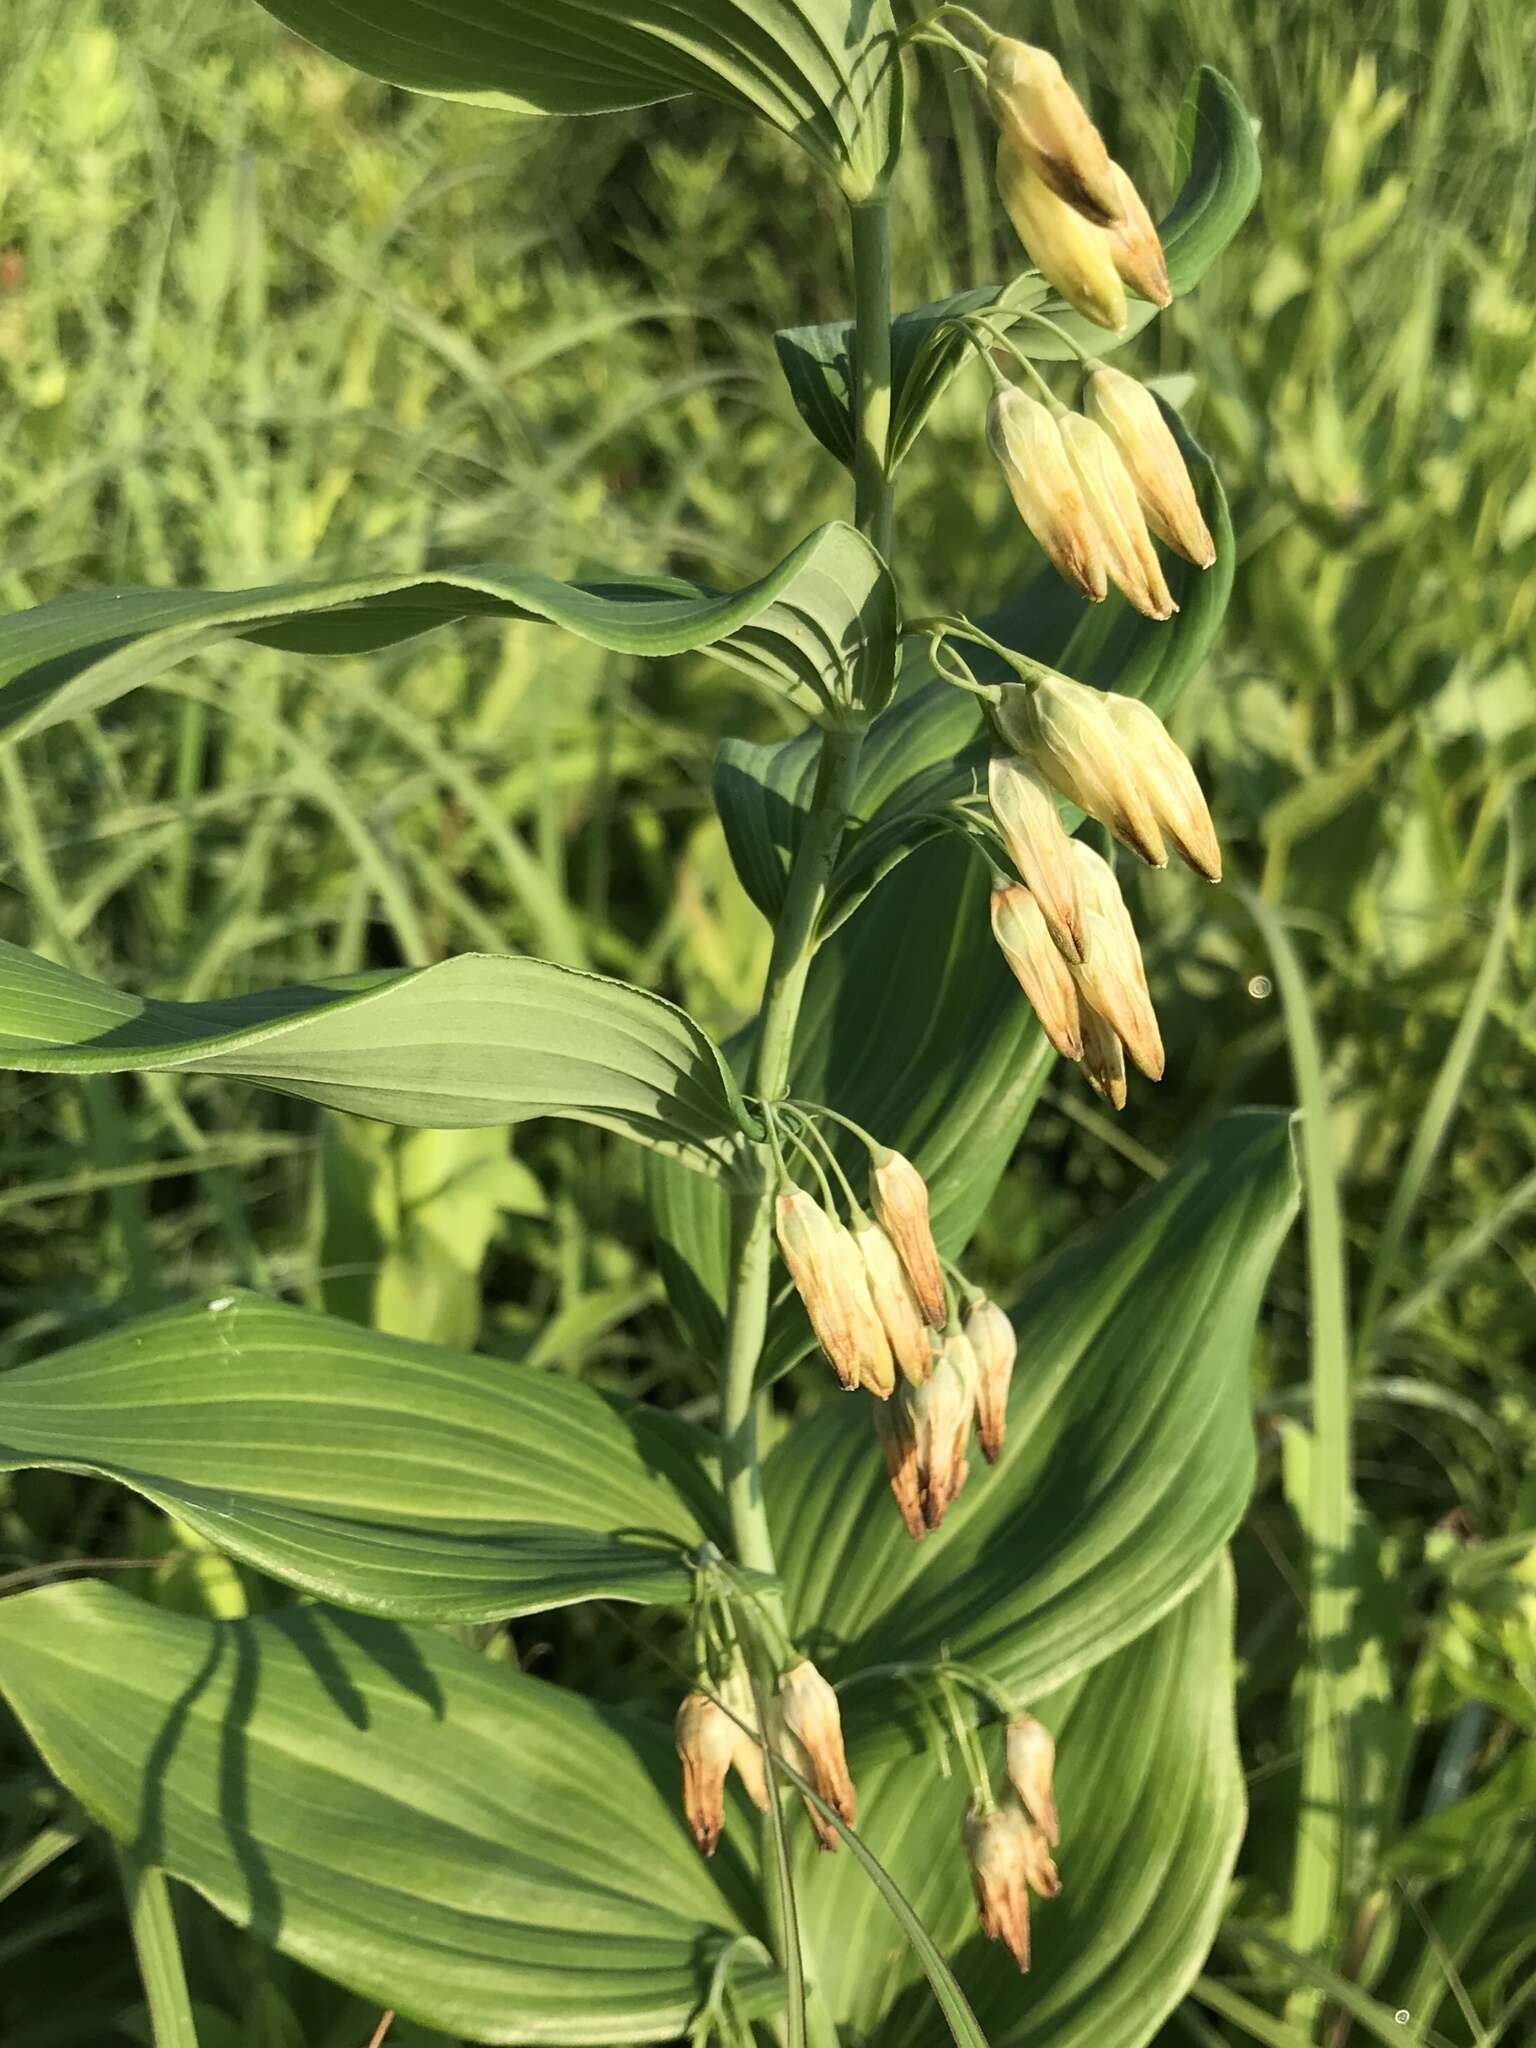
(899, 1196)
(1024, 437)
(1031, 1763)
(896, 1303)
(1113, 979)
(1038, 109)
(1046, 979)
(1172, 788)
(1134, 246)
(1068, 251)
(1133, 420)
(991, 1338)
(1064, 729)
(1038, 846)
(1116, 510)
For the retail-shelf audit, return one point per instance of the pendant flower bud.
(1040, 1873)
(1030, 1750)
(747, 1751)
(995, 1843)
(1113, 978)
(828, 1273)
(897, 1431)
(895, 1303)
(924, 1435)
(706, 1740)
(1046, 979)
(1170, 783)
(899, 1197)
(1043, 485)
(1065, 730)
(1134, 246)
(992, 1340)
(1069, 252)
(1112, 503)
(1103, 1058)
(1037, 842)
(808, 1712)
(1133, 420)
(1036, 106)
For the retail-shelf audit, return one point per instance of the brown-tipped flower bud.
(895, 1302)
(1024, 437)
(1038, 846)
(1036, 106)
(1113, 978)
(1171, 786)
(1065, 730)
(1046, 979)
(926, 1434)
(1103, 1057)
(1030, 1751)
(828, 1273)
(897, 1430)
(1133, 420)
(1069, 252)
(991, 1338)
(999, 1855)
(808, 1712)
(1134, 247)
(1111, 498)
(899, 1197)
(747, 1750)
(706, 1739)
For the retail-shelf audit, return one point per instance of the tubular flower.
(924, 1436)
(747, 1750)
(897, 1430)
(1113, 979)
(809, 1715)
(1171, 785)
(1038, 846)
(1070, 253)
(1046, 979)
(1133, 420)
(1112, 502)
(1134, 247)
(895, 1302)
(706, 1739)
(991, 1338)
(1031, 1762)
(995, 1843)
(1027, 443)
(1103, 1058)
(899, 1197)
(828, 1274)
(1038, 109)
(1065, 731)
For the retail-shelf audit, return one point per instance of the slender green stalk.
(873, 505)
(158, 1950)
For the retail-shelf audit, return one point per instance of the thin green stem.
(872, 330)
(158, 1950)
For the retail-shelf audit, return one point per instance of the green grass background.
(258, 314)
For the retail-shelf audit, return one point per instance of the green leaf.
(481, 1851)
(826, 74)
(820, 627)
(1150, 1787)
(476, 1040)
(1219, 161)
(1128, 1460)
(390, 1476)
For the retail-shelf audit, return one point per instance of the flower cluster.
(716, 1732)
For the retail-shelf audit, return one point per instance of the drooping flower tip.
(1110, 495)
(899, 1196)
(995, 1348)
(924, 1435)
(995, 1844)
(705, 1738)
(1112, 981)
(828, 1273)
(1073, 255)
(1038, 110)
(896, 1303)
(1037, 843)
(1134, 246)
(1018, 926)
(1026, 440)
(1133, 420)
(1064, 729)
(809, 1717)
(1030, 1751)
(1172, 788)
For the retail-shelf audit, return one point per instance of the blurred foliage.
(256, 313)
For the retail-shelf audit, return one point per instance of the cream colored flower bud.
(1171, 785)
(1024, 437)
(1036, 106)
(999, 1855)
(1037, 843)
(899, 1197)
(1030, 1751)
(1116, 510)
(1103, 1058)
(925, 1433)
(788, 1747)
(1039, 969)
(705, 1739)
(828, 1273)
(895, 1302)
(1069, 252)
(1065, 730)
(1133, 420)
(1112, 980)
(1134, 247)
(991, 1338)
(809, 1712)
(747, 1751)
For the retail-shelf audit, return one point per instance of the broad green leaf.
(826, 72)
(481, 1851)
(1128, 1460)
(820, 627)
(476, 1040)
(1151, 1793)
(1219, 162)
(391, 1476)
